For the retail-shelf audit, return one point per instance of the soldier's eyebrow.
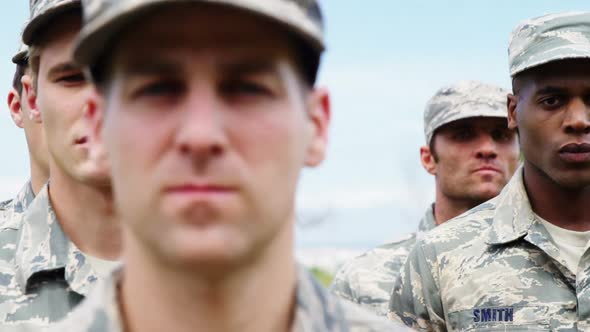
(249, 67)
(550, 90)
(151, 68)
(63, 67)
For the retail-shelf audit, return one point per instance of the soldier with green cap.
(208, 122)
(472, 154)
(38, 155)
(68, 237)
(520, 261)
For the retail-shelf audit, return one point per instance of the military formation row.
(166, 140)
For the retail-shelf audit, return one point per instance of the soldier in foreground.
(38, 155)
(68, 236)
(520, 261)
(208, 124)
(472, 155)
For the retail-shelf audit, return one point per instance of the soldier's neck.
(564, 207)
(259, 296)
(39, 176)
(446, 208)
(86, 215)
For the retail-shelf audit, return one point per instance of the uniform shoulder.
(361, 320)
(386, 254)
(476, 219)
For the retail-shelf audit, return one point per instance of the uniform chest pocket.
(510, 318)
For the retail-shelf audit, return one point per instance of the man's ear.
(31, 98)
(319, 109)
(14, 107)
(511, 104)
(427, 160)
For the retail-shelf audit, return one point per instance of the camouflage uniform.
(43, 275)
(12, 207)
(496, 267)
(316, 310)
(368, 279)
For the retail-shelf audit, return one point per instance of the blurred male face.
(23, 118)
(207, 131)
(551, 111)
(473, 158)
(61, 97)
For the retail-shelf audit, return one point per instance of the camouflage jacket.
(493, 268)
(9, 209)
(43, 275)
(368, 279)
(317, 311)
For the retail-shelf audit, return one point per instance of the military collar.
(44, 249)
(513, 215)
(428, 222)
(24, 198)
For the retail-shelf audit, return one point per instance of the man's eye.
(501, 135)
(552, 102)
(463, 135)
(161, 88)
(73, 78)
(244, 88)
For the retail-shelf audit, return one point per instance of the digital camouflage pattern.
(494, 268)
(368, 279)
(466, 99)
(12, 208)
(549, 38)
(103, 19)
(42, 12)
(317, 310)
(43, 275)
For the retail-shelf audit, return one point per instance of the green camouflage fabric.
(494, 268)
(43, 275)
(104, 18)
(368, 279)
(549, 38)
(466, 99)
(12, 208)
(42, 12)
(317, 311)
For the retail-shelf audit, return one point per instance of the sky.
(385, 59)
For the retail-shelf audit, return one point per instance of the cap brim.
(490, 113)
(43, 19)
(20, 58)
(98, 33)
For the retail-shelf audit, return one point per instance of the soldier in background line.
(520, 261)
(38, 155)
(68, 238)
(208, 124)
(472, 155)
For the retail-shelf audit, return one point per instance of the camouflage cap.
(467, 99)
(549, 38)
(21, 55)
(103, 19)
(42, 12)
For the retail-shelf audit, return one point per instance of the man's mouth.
(81, 140)
(575, 152)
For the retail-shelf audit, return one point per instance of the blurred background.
(385, 59)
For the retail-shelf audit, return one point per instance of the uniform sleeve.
(415, 298)
(341, 284)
